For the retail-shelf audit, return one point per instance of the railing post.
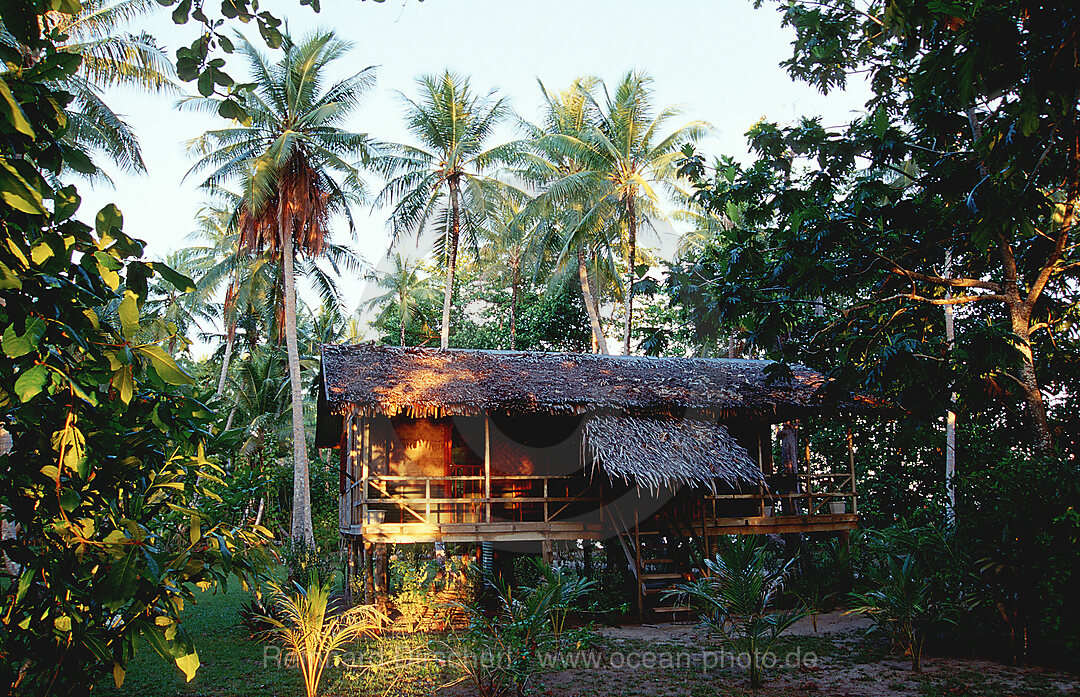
(427, 498)
(546, 519)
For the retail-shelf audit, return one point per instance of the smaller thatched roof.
(659, 453)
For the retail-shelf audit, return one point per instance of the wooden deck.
(509, 531)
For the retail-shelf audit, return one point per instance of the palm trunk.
(302, 528)
(590, 304)
(401, 305)
(513, 301)
(631, 253)
(950, 415)
(229, 338)
(451, 263)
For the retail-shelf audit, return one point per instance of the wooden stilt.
(369, 581)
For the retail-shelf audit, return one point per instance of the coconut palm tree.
(110, 58)
(443, 185)
(295, 162)
(405, 290)
(558, 164)
(631, 158)
(250, 280)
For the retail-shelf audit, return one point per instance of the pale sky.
(717, 60)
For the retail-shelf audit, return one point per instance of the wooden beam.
(365, 467)
(487, 467)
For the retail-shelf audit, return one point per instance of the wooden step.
(673, 608)
(670, 576)
(653, 562)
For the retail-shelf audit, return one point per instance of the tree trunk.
(302, 528)
(402, 306)
(229, 334)
(513, 301)
(451, 262)
(590, 304)
(1019, 308)
(950, 415)
(631, 253)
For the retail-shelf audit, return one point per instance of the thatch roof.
(422, 382)
(659, 453)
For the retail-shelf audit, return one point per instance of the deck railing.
(436, 500)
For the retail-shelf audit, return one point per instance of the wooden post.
(546, 519)
(350, 571)
(487, 468)
(851, 470)
(547, 552)
(365, 460)
(369, 581)
(637, 568)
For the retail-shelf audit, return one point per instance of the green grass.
(235, 665)
(232, 663)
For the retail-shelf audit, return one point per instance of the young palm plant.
(405, 293)
(303, 623)
(293, 163)
(737, 600)
(900, 603)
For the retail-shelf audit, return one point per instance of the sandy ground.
(665, 659)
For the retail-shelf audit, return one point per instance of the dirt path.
(837, 660)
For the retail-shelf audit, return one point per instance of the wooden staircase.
(651, 558)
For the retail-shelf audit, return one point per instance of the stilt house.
(516, 447)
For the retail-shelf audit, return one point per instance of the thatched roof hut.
(655, 420)
(421, 382)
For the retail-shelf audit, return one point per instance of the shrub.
(737, 599)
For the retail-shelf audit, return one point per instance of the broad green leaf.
(18, 193)
(15, 345)
(71, 444)
(67, 7)
(129, 314)
(81, 393)
(31, 383)
(124, 382)
(62, 624)
(195, 532)
(188, 664)
(107, 266)
(120, 582)
(13, 112)
(8, 279)
(41, 253)
(69, 499)
(108, 219)
(24, 584)
(118, 674)
(181, 282)
(165, 366)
